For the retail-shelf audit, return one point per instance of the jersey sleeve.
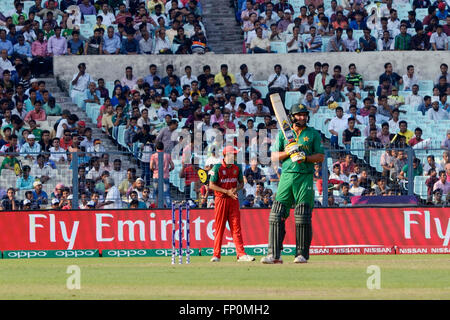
(317, 144)
(214, 175)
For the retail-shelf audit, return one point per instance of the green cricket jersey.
(310, 143)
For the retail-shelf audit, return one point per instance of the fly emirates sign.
(427, 225)
(152, 229)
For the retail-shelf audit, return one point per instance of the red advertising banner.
(335, 231)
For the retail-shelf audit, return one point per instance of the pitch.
(324, 277)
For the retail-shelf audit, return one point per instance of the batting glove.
(298, 157)
(291, 148)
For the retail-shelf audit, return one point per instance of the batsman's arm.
(278, 156)
(317, 157)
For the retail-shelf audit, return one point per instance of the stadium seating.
(261, 86)
(278, 46)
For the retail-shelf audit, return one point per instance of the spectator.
(367, 42)
(387, 161)
(415, 100)
(39, 195)
(432, 164)
(111, 42)
(337, 125)
(320, 79)
(313, 43)
(393, 77)
(350, 132)
(348, 166)
(26, 180)
(249, 185)
(442, 183)
(446, 142)
(168, 166)
(436, 113)
(277, 82)
(438, 39)
(260, 44)
(336, 43)
(420, 41)
(432, 173)
(403, 40)
(10, 203)
(381, 188)
(417, 137)
(113, 199)
(337, 174)
(417, 170)
(403, 126)
(41, 171)
(94, 45)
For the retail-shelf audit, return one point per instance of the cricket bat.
(283, 119)
(284, 122)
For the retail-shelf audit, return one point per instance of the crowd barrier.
(126, 233)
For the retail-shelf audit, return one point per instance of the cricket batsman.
(225, 180)
(295, 187)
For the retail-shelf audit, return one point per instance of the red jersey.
(226, 177)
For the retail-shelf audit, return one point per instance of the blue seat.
(373, 83)
(121, 136)
(296, 5)
(291, 98)
(278, 46)
(421, 13)
(90, 19)
(356, 144)
(325, 41)
(86, 30)
(175, 47)
(411, 31)
(426, 85)
(262, 87)
(420, 188)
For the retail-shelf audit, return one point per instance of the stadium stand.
(97, 144)
(319, 22)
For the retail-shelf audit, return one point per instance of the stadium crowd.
(51, 28)
(343, 25)
(150, 107)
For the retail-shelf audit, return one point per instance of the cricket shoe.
(300, 259)
(215, 259)
(270, 260)
(246, 258)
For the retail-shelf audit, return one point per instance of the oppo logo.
(74, 253)
(288, 250)
(223, 251)
(126, 253)
(168, 252)
(261, 251)
(26, 254)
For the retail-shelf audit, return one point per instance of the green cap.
(299, 108)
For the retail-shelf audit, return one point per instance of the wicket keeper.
(225, 180)
(295, 186)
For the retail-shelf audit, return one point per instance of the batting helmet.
(298, 108)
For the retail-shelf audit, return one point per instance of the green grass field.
(324, 277)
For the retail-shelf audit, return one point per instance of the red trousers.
(227, 209)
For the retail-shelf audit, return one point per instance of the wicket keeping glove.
(291, 148)
(298, 157)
